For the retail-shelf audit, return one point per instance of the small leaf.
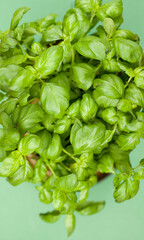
(45, 196)
(89, 208)
(70, 224)
(67, 183)
(55, 148)
(29, 144)
(50, 217)
(18, 14)
(109, 26)
(48, 61)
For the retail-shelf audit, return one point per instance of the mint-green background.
(20, 206)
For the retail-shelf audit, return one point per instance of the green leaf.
(75, 24)
(87, 138)
(138, 174)
(121, 158)
(55, 147)
(29, 144)
(40, 171)
(70, 224)
(45, 137)
(91, 47)
(89, 208)
(128, 50)
(5, 120)
(83, 195)
(109, 85)
(17, 59)
(74, 109)
(124, 105)
(24, 173)
(112, 9)
(50, 217)
(54, 99)
(139, 79)
(9, 138)
(45, 22)
(18, 14)
(83, 74)
(64, 202)
(120, 33)
(109, 26)
(11, 164)
(88, 107)
(135, 95)
(111, 66)
(36, 48)
(105, 164)
(8, 105)
(22, 80)
(62, 125)
(48, 61)
(87, 5)
(110, 115)
(30, 115)
(126, 190)
(67, 183)
(128, 141)
(45, 196)
(52, 33)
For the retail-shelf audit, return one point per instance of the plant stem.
(70, 155)
(128, 82)
(67, 168)
(50, 168)
(25, 52)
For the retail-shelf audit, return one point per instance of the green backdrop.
(20, 206)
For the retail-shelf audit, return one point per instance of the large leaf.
(87, 138)
(54, 99)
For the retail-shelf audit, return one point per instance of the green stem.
(67, 168)
(28, 56)
(50, 168)
(128, 82)
(70, 155)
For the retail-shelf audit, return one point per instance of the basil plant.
(72, 106)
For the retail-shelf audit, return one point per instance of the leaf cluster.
(71, 106)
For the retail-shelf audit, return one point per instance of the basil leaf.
(139, 80)
(57, 97)
(29, 116)
(135, 95)
(45, 196)
(87, 5)
(5, 120)
(91, 47)
(83, 74)
(52, 33)
(67, 183)
(8, 105)
(9, 138)
(50, 217)
(128, 141)
(11, 164)
(110, 115)
(75, 24)
(88, 107)
(126, 190)
(40, 171)
(62, 125)
(128, 50)
(74, 109)
(45, 137)
(22, 80)
(87, 138)
(45, 22)
(17, 59)
(29, 144)
(105, 164)
(55, 147)
(18, 14)
(24, 173)
(111, 66)
(89, 208)
(110, 86)
(48, 61)
(124, 105)
(109, 26)
(70, 224)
